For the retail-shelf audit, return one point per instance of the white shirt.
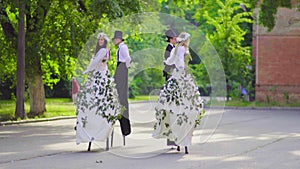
(123, 54)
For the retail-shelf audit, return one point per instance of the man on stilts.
(121, 80)
(171, 38)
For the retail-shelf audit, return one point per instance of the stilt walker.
(97, 105)
(171, 38)
(121, 80)
(179, 105)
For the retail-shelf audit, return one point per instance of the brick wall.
(278, 68)
(278, 58)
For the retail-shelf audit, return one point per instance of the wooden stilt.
(124, 140)
(112, 138)
(90, 144)
(107, 143)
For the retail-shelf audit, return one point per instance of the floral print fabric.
(179, 108)
(98, 107)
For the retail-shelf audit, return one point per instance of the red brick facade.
(278, 59)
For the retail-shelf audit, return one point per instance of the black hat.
(170, 33)
(118, 34)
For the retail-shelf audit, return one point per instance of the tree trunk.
(36, 94)
(20, 111)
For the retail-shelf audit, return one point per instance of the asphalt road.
(226, 139)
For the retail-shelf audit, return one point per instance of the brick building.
(277, 56)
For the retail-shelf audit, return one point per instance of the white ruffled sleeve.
(177, 58)
(95, 61)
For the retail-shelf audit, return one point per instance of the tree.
(20, 111)
(227, 39)
(55, 33)
(226, 25)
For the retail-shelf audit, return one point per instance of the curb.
(36, 120)
(254, 108)
(215, 107)
(267, 108)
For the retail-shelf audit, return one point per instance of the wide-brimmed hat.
(118, 34)
(170, 33)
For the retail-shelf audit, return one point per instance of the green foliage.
(286, 96)
(268, 10)
(56, 31)
(8, 65)
(228, 37)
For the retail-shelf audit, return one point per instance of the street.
(226, 139)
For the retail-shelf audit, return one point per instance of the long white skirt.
(97, 108)
(179, 106)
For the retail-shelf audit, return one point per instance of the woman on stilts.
(179, 105)
(97, 106)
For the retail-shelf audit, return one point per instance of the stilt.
(170, 143)
(124, 140)
(178, 148)
(107, 144)
(90, 144)
(112, 138)
(186, 150)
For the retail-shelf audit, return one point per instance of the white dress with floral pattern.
(179, 104)
(97, 106)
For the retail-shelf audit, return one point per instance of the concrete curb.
(36, 120)
(215, 107)
(256, 108)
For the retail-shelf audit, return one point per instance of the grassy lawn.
(64, 107)
(239, 103)
(54, 106)
(143, 98)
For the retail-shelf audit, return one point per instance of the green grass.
(54, 106)
(239, 103)
(143, 98)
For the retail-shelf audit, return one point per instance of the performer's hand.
(127, 64)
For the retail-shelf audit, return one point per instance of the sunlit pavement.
(226, 139)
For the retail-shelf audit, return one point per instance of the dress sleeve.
(96, 60)
(176, 57)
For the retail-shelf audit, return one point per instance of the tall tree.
(20, 112)
(55, 32)
(227, 39)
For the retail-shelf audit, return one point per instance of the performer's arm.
(95, 60)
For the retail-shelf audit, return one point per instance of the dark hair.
(169, 38)
(98, 47)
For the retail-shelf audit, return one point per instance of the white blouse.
(177, 58)
(97, 63)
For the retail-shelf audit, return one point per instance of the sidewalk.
(230, 139)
